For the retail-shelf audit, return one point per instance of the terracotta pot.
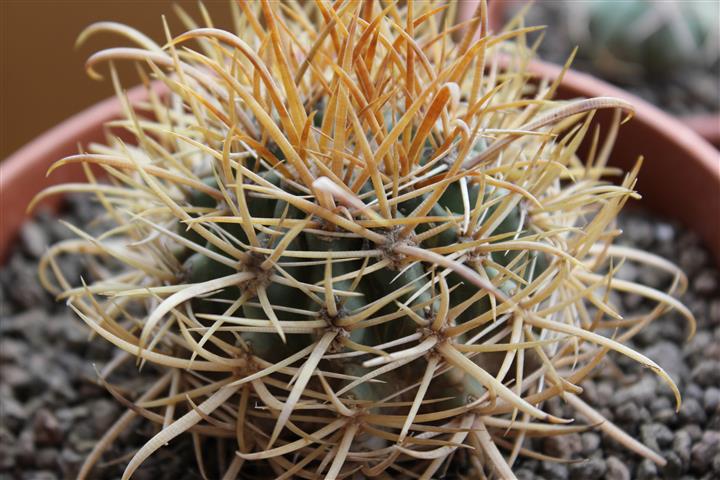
(707, 126)
(680, 178)
(22, 174)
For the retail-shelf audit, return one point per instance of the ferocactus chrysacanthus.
(352, 245)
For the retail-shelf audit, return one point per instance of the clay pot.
(22, 174)
(707, 126)
(680, 178)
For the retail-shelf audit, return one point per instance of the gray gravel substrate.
(52, 409)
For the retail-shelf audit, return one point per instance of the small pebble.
(641, 234)
(591, 469)
(590, 443)
(682, 443)
(656, 436)
(675, 466)
(639, 393)
(34, 239)
(627, 413)
(647, 470)
(664, 232)
(693, 391)
(716, 463)
(562, 446)
(46, 428)
(704, 451)
(711, 400)
(669, 356)
(660, 404)
(616, 469)
(692, 259)
(705, 282)
(605, 393)
(707, 373)
(692, 411)
(554, 470)
(104, 414)
(694, 431)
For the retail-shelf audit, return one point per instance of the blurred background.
(43, 80)
(664, 50)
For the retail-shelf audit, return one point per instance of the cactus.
(352, 245)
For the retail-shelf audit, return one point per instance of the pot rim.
(24, 173)
(707, 125)
(691, 169)
(665, 124)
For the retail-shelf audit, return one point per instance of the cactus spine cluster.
(356, 242)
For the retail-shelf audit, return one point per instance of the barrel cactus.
(355, 241)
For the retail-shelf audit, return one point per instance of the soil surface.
(635, 398)
(52, 407)
(53, 410)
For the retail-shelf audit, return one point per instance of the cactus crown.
(352, 244)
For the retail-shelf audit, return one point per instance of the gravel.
(590, 469)
(53, 410)
(634, 398)
(616, 469)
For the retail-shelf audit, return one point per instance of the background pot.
(707, 125)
